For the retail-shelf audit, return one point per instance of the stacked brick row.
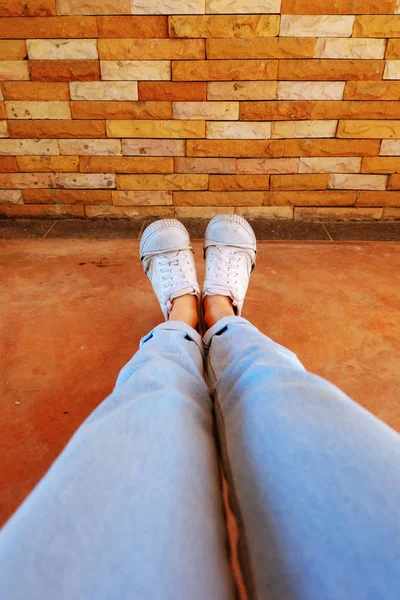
(135, 108)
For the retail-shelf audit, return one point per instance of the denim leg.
(132, 507)
(314, 478)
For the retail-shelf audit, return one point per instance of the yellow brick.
(3, 129)
(11, 70)
(348, 181)
(31, 147)
(223, 26)
(238, 130)
(377, 26)
(134, 70)
(237, 183)
(257, 166)
(392, 69)
(156, 49)
(38, 110)
(156, 129)
(206, 110)
(12, 49)
(303, 129)
(93, 7)
(316, 25)
(167, 7)
(76, 181)
(235, 148)
(390, 148)
(218, 198)
(241, 90)
(369, 129)
(265, 212)
(201, 212)
(62, 49)
(242, 6)
(309, 90)
(358, 48)
(11, 197)
(175, 181)
(343, 164)
(310, 198)
(237, 70)
(299, 182)
(261, 48)
(381, 164)
(337, 214)
(131, 212)
(391, 214)
(141, 198)
(67, 164)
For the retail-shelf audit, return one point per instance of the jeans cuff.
(191, 333)
(220, 326)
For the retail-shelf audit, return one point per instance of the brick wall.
(284, 109)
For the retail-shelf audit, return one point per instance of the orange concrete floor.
(73, 311)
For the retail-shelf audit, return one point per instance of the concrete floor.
(73, 311)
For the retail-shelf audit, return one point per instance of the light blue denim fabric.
(132, 507)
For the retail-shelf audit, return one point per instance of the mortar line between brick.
(327, 232)
(49, 229)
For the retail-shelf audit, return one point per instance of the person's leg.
(313, 477)
(132, 507)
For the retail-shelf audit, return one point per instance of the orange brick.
(377, 26)
(377, 198)
(257, 166)
(261, 48)
(2, 111)
(48, 163)
(394, 182)
(173, 181)
(32, 90)
(324, 70)
(8, 164)
(220, 70)
(205, 165)
(171, 90)
(157, 49)
(31, 8)
(67, 196)
(238, 183)
(319, 147)
(372, 90)
(299, 182)
(132, 27)
(57, 129)
(121, 110)
(381, 164)
(393, 49)
(337, 214)
(218, 198)
(48, 27)
(12, 49)
(64, 70)
(337, 7)
(131, 212)
(310, 198)
(41, 210)
(235, 148)
(314, 109)
(120, 164)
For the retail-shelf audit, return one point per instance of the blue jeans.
(132, 507)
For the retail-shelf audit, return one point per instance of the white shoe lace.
(177, 271)
(223, 267)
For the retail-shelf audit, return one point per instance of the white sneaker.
(230, 252)
(168, 261)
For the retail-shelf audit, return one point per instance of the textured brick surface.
(152, 108)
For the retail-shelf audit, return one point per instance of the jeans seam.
(243, 547)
